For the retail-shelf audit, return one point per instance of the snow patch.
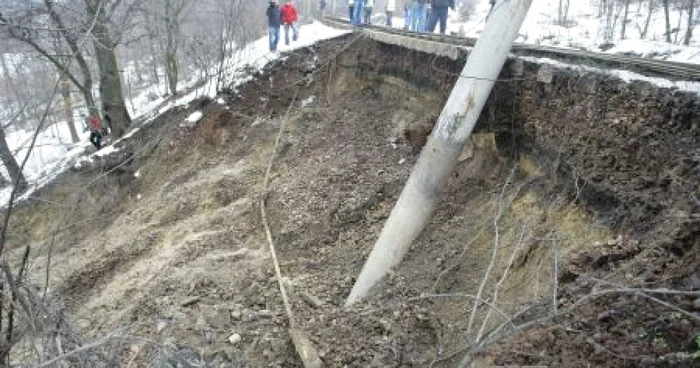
(308, 101)
(192, 120)
(625, 75)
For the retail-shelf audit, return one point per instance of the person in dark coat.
(274, 20)
(439, 13)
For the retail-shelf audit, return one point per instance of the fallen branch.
(497, 335)
(494, 253)
(304, 347)
(497, 288)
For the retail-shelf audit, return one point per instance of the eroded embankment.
(561, 171)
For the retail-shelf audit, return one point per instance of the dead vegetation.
(521, 265)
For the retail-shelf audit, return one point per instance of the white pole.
(421, 194)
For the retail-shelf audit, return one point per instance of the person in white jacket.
(390, 9)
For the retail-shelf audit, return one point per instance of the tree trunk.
(646, 24)
(68, 106)
(11, 164)
(677, 30)
(421, 194)
(151, 45)
(624, 19)
(113, 105)
(689, 31)
(609, 21)
(668, 22)
(172, 29)
(16, 91)
(561, 12)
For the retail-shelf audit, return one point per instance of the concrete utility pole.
(421, 194)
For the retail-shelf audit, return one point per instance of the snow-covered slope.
(54, 153)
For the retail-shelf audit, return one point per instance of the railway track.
(675, 70)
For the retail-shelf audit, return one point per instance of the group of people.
(277, 16)
(360, 11)
(424, 15)
(420, 15)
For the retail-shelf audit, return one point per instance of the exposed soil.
(578, 172)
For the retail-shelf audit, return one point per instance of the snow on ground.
(192, 120)
(625, 75)
(584, 28)
(54, 153)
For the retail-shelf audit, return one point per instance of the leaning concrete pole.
(421, 194)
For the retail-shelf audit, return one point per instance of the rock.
(278, 345)
(606, 316)
(84, 324)
(696, 304)
(305, 348)
(190, 301)
(201, 323)
(236, 314)
(235, 338)
(386, 325)
(162, 325)
(266, 313)
(545, 74)
(307, 66)
(518, 67)
(215, 316)
(312, 300)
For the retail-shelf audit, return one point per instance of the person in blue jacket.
(359, 12)
(274, 20)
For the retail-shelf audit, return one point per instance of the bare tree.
(563, 12)
(8, 159)
(68, 107)
(173, 12)
(652, 7)
(624, 19)
(28, 27)
(668, 21)
(112, 96)
(689, 30)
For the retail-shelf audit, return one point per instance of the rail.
(676, 70)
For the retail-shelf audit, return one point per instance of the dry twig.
(494, 253)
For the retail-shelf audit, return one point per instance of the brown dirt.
(179, 254)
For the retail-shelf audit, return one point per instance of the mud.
(589, 172)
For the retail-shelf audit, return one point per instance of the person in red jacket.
(95, 130)
(289, 17)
